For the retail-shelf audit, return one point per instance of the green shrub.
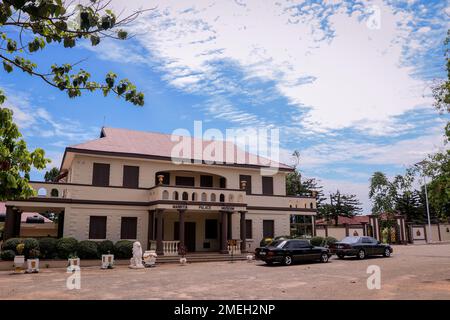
(66, 247)
(123, 249)
(7, 255)
(105, 247)
(87, 249)
(317, 241)
(47, 247)
(30, 245)
(330, 240)
(11, 244)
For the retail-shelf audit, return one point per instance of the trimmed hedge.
(11, 244)
(105, 247)
(87, 249)
(47, 247)
(7, 255)
(66, 247)
(31, 246)
(123, 249)
(317, 241)
(330, 240)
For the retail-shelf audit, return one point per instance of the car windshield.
(350, 239)
(277, 243)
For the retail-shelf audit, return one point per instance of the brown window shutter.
(206, 181)
(131, 176)
(97, 227)
(128, 228)
(267, 185)
(100, 174)
(268, 228)
(248, 229)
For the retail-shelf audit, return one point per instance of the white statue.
(136, 261)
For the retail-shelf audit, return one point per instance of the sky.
(347, 83)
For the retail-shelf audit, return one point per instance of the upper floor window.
(184, 181)
(248, 184)
(97, 227)
(222, 183)
(267, 185)
(206, 181)
(131, 177)
(100, 174)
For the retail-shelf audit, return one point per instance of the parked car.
(291, 250)
(360, 247)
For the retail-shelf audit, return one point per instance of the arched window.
(185, 196)
(213, 197)
(42, 192)
(175, 195)
(204, 197)
(194, 196)
(165, 195)
(230, 198)
(222, 197)
(311, 205)
(241, 198)
(54, 193)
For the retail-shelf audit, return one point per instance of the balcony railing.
(182, 193)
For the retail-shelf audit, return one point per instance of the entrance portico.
(196, 227)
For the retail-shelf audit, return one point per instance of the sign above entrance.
(179, 206)
(227, 208)
(204, 207)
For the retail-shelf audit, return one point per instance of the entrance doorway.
(189, 235)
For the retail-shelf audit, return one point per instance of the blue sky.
(346, 82)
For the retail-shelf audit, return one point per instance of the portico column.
(159, 231)
(181, 226)
(224, 233)
(243, 232)
(9, 223)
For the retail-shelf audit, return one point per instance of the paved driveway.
(413, 272)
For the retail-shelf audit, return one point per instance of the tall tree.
(383, 194)
(27, 27)
(16, 161)
(341, 205)
(51, 175)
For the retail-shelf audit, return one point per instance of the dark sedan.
(360, 247)
(289, 251)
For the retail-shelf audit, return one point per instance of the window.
(267, 185)
(100, 174)
(268, 228)
(97, 227)
(222, 183)
(222, 197)
(210, 229)
(184, 181)
(248, 179)
(301, 225)
(128, 228)
(131, 176)
(166, 178)
(248, 229)
(206, 181)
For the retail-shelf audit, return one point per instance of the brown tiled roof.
(132, 142)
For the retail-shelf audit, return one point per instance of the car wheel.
(287, 260)
(387, 252)
(361, 254)
(340, 256)
(324, 258)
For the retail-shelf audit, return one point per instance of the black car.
(290, 251)
(360, 247)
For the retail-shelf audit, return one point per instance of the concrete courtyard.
(413, 272)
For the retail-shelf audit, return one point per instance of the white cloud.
(357, 78)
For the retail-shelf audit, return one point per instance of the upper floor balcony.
(170, 195)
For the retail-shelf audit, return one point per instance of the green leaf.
(7, 66)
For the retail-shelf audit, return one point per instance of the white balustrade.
(170, 248)
(235, 249)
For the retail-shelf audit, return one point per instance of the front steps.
(201, 257)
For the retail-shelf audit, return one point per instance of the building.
(124, 185)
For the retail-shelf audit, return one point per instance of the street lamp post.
(421, 164)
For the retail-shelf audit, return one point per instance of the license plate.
(262, 253)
